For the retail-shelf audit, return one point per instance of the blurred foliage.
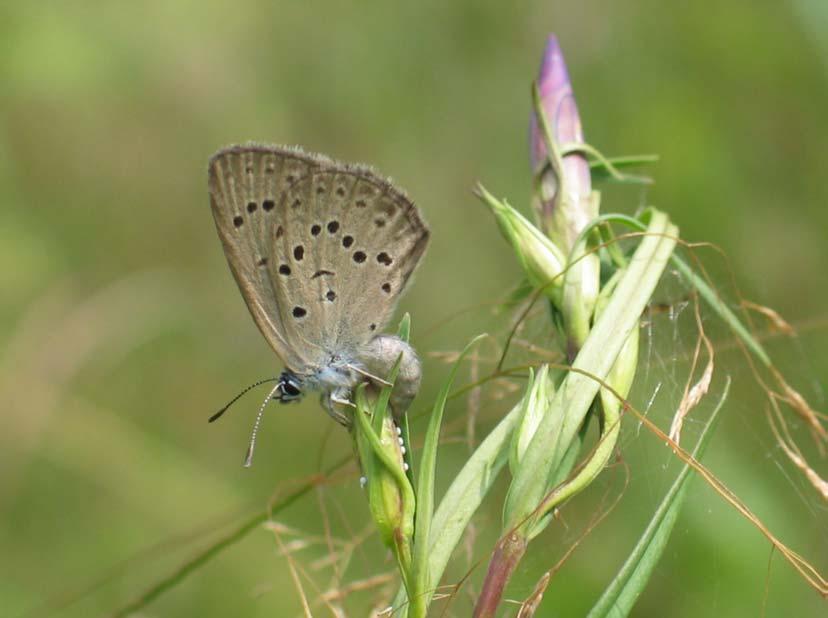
(122, 330)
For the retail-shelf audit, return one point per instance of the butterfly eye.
(291, 390)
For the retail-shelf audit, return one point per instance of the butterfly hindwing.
(361, 238)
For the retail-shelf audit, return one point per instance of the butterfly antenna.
(237, 397)
(248, 458)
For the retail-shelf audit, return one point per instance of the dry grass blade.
(752, 349)
(808, 572)
(777, 322)
(294, 575)
(694, 394)
(531, 603)
(783, 437)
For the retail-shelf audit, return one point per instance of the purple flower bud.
(563, 199)
(558, 103)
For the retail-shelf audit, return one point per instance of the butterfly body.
(321, 252)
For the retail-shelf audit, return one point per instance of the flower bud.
(541, 260)
(563, 199)
(564, 205)
(386, 499)
(535, 403)
(390, 495)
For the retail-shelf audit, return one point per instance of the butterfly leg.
(370, 376)
(332, 400)
(341, 401)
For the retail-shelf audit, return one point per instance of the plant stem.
(506, 557)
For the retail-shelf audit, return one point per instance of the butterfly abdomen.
(379, 356)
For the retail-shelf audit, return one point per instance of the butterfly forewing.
(323, 256)
(246, 183)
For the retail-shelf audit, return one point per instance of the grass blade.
(719, 306)
(425, 480)
(463, 497)
(620, 596)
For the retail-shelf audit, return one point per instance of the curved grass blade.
(710, 296)
(719, 306)
(425, 480)
(404, 329)
(606, 165)
(620, 596)
(599, 170)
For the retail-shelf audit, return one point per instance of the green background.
(121, 329)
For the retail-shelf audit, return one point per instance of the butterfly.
(321, 252)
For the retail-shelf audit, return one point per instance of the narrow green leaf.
(467, 491)
(381, 405)
(425, 481)
(719, 306)
(404, 329)
(403, 424)
(625, 161)
(710, 296)
(620, 596)
(519, 293)
(462, 499)
(607, 165)
(600, 173)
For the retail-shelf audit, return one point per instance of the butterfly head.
(289, 388)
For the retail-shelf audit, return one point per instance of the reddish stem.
(506, 557)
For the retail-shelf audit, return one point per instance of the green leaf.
(600, 172)
(404, 329)
(380, 411)
(620, 596)
(598, 162)
(462, 499)
(425, 482)
(519, 293)
(710, 296)
(719, 306)
(626, 161)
